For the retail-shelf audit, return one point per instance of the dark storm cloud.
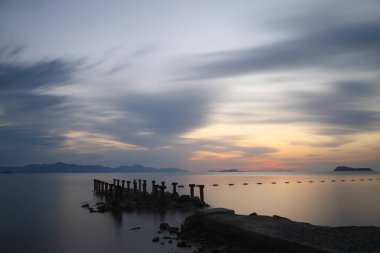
(343, 109)
(17, 136)
(348, 45)
(28, 117)
(27, 77)
(171, 112)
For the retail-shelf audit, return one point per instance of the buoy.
(332, 180)
(230, 184)
(180, 186)
(215, 185)
(259, 183)
(370, 179)
(310, 181)
(322, 181)
(298, 182)
(273, 182)
(342, 180)
(286, 182)
(245, 184)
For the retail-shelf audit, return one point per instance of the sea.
(42, 212)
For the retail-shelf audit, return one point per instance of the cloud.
(170, 112)
(339, 47)
(30, 117)
(30, 76)
(344, 108)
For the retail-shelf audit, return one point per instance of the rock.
(155, 239)
(164, 226)
(173, 230)
(253, 214)
(184, 198)
(182, 244)
(86, 205)
(280, 218)
(135, 228)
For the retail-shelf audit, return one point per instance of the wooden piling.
(201, 193)
(191, 190)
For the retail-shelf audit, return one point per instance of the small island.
(229, 170)
(345, 168)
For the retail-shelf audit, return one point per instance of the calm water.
(41, 212)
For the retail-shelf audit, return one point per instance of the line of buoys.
(180, 186)
(298, 182)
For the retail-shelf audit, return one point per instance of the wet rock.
(135, 228)
(182, 244)
(173, 230)
(164, 226)
(156, 239)
(86, 205)
(253, 214)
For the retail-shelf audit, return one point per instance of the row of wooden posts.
(117, 189)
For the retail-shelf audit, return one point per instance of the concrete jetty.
(278, 234)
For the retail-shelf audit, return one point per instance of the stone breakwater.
(221, 230)
(134, 195)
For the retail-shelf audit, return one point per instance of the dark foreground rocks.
(221, 230)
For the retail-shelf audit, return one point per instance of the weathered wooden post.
(174, 188)
(106, 188)
(102, 186)
(139, 185)
(111, 189)
(162, 189)
(155, 190)
(128, 186)
(94, 184)
(144, 187)
(114, 181)
(191, 190)
(201, 194)
(118, 182)
(134, 186)
(153, 184)
(122, 184)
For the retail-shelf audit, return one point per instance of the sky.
(250, 85)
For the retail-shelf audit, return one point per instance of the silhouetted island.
(230, 170)
(75, 168)
(345, 168)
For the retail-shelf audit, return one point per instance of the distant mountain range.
(345, 168)
(75, 168)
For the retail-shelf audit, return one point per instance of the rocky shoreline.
(221, 230)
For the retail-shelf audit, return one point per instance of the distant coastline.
(345, 168)
(75, 168)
